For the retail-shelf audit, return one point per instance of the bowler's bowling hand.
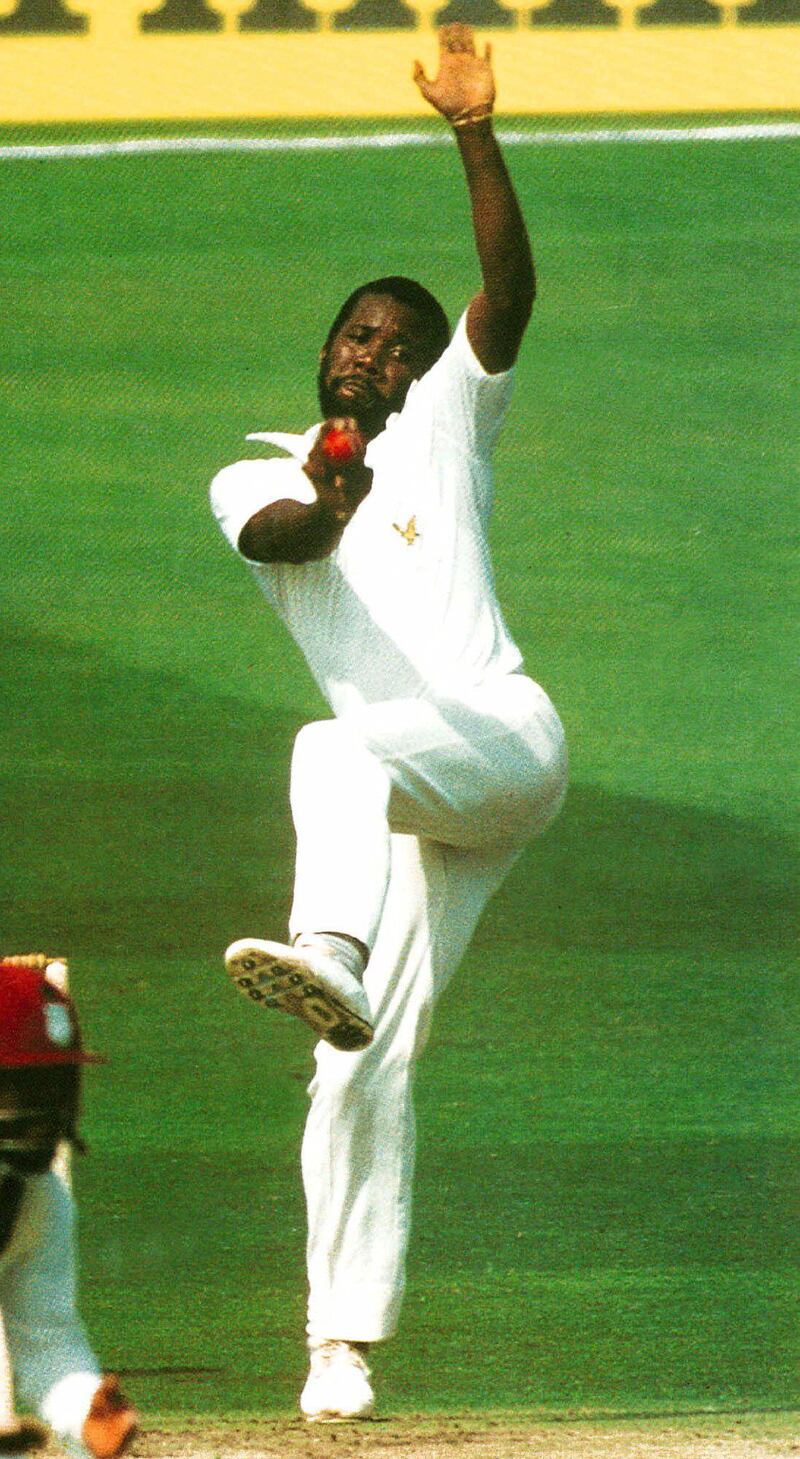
(336, 467)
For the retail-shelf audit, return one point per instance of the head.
(40, 1069)
(386, 334)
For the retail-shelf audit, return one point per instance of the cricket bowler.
(442, 759)
(57, 1375)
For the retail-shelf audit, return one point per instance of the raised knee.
(330, 748)
(315, 741)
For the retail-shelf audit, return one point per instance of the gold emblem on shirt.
(409, 534)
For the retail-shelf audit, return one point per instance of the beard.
(356, 397)
(364, 404)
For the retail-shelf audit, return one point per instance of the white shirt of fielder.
(405, 605)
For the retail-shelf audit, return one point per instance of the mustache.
(362, 381)
(363, 396)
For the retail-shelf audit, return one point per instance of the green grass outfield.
(606, 1190)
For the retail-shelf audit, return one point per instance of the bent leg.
(489, 769)
(358, 1149)
(339, 797)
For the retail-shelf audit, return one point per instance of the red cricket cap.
(38, 1023)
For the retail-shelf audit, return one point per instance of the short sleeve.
(461, 399)
(239, 491)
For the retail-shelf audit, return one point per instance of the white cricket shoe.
(338, 1385)
(306, 983)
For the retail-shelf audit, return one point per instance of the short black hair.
(406, 291)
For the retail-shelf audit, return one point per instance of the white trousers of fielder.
(409, 815)
(56, 1372)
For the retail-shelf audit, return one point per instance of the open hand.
(465, 79)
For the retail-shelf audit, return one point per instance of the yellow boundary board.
(114, 74)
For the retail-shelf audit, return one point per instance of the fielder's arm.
(464, 93)
(291, 531)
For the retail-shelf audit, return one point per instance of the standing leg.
(358, 1150)
(57, 1372)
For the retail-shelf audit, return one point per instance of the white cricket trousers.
(409, 815)
(56, 1373)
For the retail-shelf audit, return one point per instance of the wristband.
(472, 115)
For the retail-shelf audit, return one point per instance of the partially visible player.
(56, 1373)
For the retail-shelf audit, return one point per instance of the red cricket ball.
(338, 446)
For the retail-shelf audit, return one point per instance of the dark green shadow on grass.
(137, 800)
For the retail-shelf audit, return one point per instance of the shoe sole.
(279, 980)
(338, 1418)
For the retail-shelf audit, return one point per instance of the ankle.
(343, 1342)
(348, 951)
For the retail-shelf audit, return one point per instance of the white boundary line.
(142, 146)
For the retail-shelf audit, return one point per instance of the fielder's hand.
(338, 473)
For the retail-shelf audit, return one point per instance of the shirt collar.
(299, 446)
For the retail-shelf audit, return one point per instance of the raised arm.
(464, 92)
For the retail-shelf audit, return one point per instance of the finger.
(487, 55)
(448, 38)
(422, 81)
(457, 37)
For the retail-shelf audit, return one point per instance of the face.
(366, 370)
(38, 1107)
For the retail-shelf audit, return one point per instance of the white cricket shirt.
(405, 605)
